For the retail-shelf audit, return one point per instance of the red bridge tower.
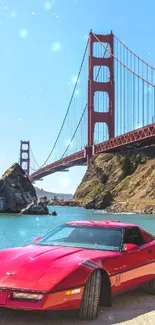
(94, 86)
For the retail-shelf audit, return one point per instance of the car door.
(138, 263)
(150, 258)
(129, 268)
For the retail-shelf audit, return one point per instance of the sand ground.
(134, 308)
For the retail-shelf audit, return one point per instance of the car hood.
(43, 263)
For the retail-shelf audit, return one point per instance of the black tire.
(150, 287)
(91, 297)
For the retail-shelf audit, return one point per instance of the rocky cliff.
(16, 190)
(120, 182)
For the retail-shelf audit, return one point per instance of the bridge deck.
(76, 159)
(137, 138)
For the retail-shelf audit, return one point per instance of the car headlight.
(27, 296)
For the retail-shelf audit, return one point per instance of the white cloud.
(74, 79)
(64, 181)
(13, 14)
(56, 16)
(77, 92)
(148, 89)
(68, 143)
(72, 83)
(48, 5)
(23, 33)
(33, 13)
(19, 119)
(55, 47)
(5, 7)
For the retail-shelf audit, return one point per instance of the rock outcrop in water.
(16, 190)
(120, 182)
(36, 208)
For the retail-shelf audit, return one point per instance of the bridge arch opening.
(99, 50)
(101, 101)
(101, 73)
(100, 133)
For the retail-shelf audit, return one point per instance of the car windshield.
(89, 237)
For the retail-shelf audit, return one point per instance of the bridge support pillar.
(25, 156)
(94, 86)
(89, 153)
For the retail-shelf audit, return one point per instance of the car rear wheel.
(150, 287)
(91, 297)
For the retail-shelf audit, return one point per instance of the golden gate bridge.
(112, 108)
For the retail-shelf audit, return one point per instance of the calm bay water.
(17, 230)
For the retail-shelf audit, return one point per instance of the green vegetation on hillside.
(125, 179)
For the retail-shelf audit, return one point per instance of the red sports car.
(79, 265)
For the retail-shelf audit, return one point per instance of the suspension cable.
(33, 169)
(68, 105)
(34, 157)
(124, 65)
(69, 108)
(83, 110)
(75, 131)
(133, 52)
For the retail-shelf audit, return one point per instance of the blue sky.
(41, 48)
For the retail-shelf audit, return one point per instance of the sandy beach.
(134, 308)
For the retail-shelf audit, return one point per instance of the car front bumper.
(50, 301)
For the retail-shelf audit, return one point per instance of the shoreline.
(114, 208)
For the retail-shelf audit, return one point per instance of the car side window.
(150, 236)
(133, 235)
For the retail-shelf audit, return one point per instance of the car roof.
(103, 223)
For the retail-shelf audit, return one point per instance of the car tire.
(91, 297)
(150, 287)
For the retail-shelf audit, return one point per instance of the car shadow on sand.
(125, 308)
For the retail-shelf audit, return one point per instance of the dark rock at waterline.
(16, 190)
(90, 205)
(102, 201)
(35, 209)
(54, 213)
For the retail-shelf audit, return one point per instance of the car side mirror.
(36, 240)
(130, 247)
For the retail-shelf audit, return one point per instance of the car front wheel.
(91, 297)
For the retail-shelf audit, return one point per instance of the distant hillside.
(50, 195)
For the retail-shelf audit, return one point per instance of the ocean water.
(18, 230)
